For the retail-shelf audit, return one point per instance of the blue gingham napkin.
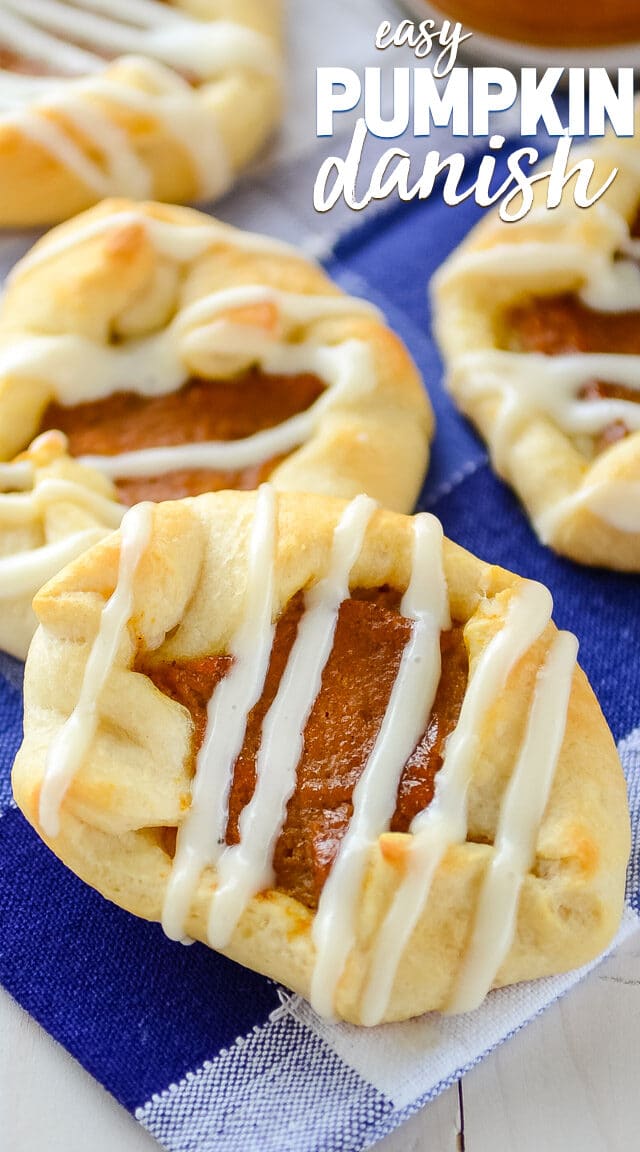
(209, 1056)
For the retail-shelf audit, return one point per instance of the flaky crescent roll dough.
(540, 431)
(192, 92)
(51, 509)
(141, 297)
(188, 578)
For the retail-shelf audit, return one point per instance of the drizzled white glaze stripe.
(55, 490)
(519, 822)
(23, 507)
(68, 23)
(18, 475)
(551, 384)
(25, 572)
(200, 840)
(214, 454)
(122, 171)
(172, 101)
(17, 508)
(17, 90)
(247, 867)
(161, 363)
(346, 369)
(375, 796)
(72, 742)
(602, 283)
(204, 336)
(21, 37)
(202, 48)
(444, 822)
(145, 13)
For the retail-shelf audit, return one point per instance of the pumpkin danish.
(539, 322)
(331, 744)
(180, 355)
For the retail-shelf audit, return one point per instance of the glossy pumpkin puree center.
(561, 325)
(201, 410)
(346, 717)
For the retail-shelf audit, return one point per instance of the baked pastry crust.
(188, 592)
(142, 296)
(51, 509)
(192, 94)
(583, 504)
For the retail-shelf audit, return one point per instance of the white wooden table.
(568, 1082)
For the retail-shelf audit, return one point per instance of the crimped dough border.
(73, 513)
(136, 783)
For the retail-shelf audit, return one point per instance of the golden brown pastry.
(131, 98)
(331, 744)
(180, 355)
(539, 322)
(51, 509)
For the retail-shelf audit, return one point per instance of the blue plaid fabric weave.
(211, 1056)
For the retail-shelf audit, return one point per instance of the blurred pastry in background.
(131, 97)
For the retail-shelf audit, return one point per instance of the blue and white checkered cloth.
(207, 1055)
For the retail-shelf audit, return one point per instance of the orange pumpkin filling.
(561, 325)
(340, 733)
(199, 411)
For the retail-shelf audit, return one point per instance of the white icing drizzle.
(121, 171)
(25, 39)
(159, 39)
(425, 602)
(202, 48)
(615, 501)
(16, 476)
(72, 742)
(53, 490)
(24, 500)
(521, 814)
(247, 867)
(550, 384)
(171, 100)
(25, 572)
(200, 840)
(24, 507)
(346, 369)
(158, 364)
(444, 822)
(530, 382)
